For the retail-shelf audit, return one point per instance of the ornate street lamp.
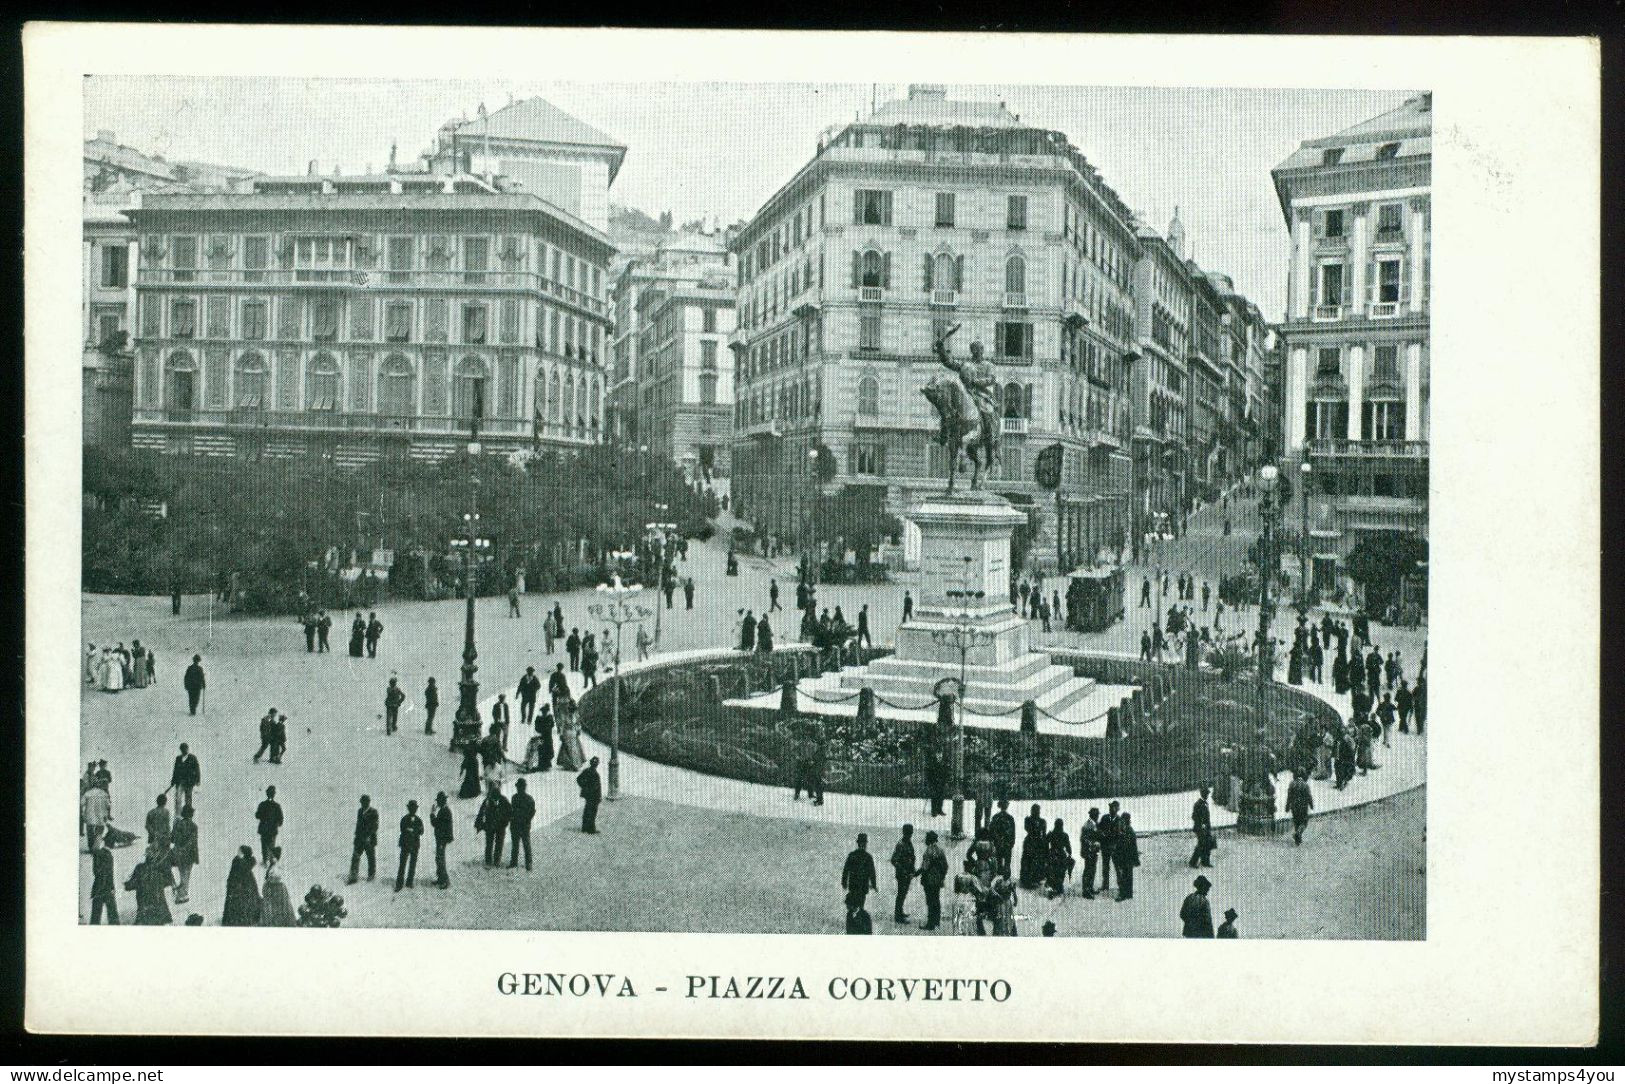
(1303, 536)
(465, 726)
(961, 635)
(619, 610)
(1269, 514)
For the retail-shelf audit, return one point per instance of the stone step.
(1017, 669)
(995, 688)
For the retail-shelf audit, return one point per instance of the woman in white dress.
(112, 672)
(276, 908)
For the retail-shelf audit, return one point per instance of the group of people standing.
(114, 669)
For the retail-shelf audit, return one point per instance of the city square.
(1059, 521)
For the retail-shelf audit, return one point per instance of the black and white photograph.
(907, 509)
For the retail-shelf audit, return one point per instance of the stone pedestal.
(965, 583)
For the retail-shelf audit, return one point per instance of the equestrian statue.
(968, 409)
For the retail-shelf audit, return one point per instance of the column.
(1357, 258)
(1297, 390)
(1356, 389)
(87, 281)
(1413, 391)
(1299, 307)
(1417, 278)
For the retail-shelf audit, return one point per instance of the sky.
(719, 150)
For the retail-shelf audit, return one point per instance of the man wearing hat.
(1202, 826)
(1195, 913)
(440, 821)
(1228, 929)
(411, 833)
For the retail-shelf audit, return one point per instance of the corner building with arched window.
(928, 215)
(366, 316)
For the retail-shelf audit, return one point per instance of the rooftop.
(106, 149)
(1405, 132)
(538, 120)
(928, 103)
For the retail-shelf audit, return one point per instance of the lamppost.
(1303, 536)
(662, 532)
(466, 723)
(808, 491)
(1269, 515)
(961, 636)
(619, 610)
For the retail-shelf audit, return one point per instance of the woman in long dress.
(138, 665)
(1060, 859)
(1004, 908)
(571, 757)
(112, 672)
(91, 665)
(539, 754)
(149, 880)
(152, 667)
(123, 654)
(358, 636)
(1034, 849)
(276, 909)
(242, 892)
(471, 787)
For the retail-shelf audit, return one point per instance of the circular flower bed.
(675, 714)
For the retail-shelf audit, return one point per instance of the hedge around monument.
(672, 714)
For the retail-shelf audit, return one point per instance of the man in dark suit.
(1089, 849)
(269, 815)
(936, 780)
(411, 836)
(558, 686)
(573, 645)
(863, 626)
(1108, 845)
(366, 841)
(1202, 826)
(431, 704)
(103, 886)
(324, 625)
(309, 621)
(933, 873)
(1126, 855)
(592, 792)
(375, 631)
(529, 686)
(1196, 914)
(193, 683)
(440, 821)
(502, 717)
(186, 774)
(858, 874)
(521, 811)
(904, 868)
(394, 697)
(1001, 829)
(492, 819)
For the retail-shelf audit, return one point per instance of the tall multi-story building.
(1356, 330)
(541, 149)
(1163, 298)
(363, 316)
(686, 373)
(686, 259)
(1207, 398)
(926, 216)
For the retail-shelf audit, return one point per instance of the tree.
(1380, 560)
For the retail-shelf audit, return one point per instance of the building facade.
(927, 217)
(1356, 333)
(358, 317)
(686, 375)
(1163, 300)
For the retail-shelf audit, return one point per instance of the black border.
(1522, 828)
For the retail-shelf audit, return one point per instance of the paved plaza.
(680, 851)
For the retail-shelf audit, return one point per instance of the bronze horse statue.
(964, 426)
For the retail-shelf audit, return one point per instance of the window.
(468, 389)
(1331, 224)
(319, 258)
(1015, 275)
(324, 319)
(1326, 419)
(219, 255)
(322, 383)
(868, 397)
(115, 266)
(397, 396)
(1331, 156)
(476, 259)
(945, 210)
(1385, 362)
(108, 328)
(871, 207)
(874, 269)
(1016, 213)
(256, 257)
(1331, 285)
(1389, 218)
(252, 380)
(1387, 152)
(869, 329)
(400, 255)
(183, 319)
(1328, 361)
(473, 323)
(1387, 281)
(398, 321)
(869, 459)
(708, 355)
(708, 388)
(1382, 419)
(708, 322)
(183, 258)
(1013, 339)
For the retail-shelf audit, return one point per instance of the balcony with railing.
(1327, 312)
(327, 420)
(1015, 425)
(1370, 449)
(358, 279)
(871, 293)
(1015, 301)
(945, 298)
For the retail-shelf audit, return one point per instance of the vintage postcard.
(559, 529)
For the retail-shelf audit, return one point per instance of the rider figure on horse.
(981, 384)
